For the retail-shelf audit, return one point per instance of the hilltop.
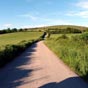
(59, 27)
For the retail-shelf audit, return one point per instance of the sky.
(37, 13)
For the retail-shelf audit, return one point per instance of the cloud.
(48, 22)
(57, 21)
(33, 26)
(82, 14)
(82, 4)
(29, 16)
(81, 9)
(33, 17)
(43, 20)
(8, 25)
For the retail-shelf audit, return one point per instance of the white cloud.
(33, 17)
(29, 16)
(44, 20)
(33, 26)
(82, 14)
(58, 21)
(8, 25)
(82, 4)
(48, 22)
(81, 9)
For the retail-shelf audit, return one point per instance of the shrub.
(84, 36)
(73, 53)
(65, 30)
(11, 51)
(63, 36)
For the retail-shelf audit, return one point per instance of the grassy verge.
(14, 44)
(73, 51)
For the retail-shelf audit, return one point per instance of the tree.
(14, 30)
(20, 30)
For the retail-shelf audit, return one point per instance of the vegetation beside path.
(72, 49)
(13, 44)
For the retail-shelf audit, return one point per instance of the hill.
(58, 27)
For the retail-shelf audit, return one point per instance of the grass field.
(14, 38)
(13, 44)
(72, 51)
(58, 35)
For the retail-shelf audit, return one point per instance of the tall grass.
(73, 51)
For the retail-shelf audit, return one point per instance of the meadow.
(15, 38)
(72, 49)
(13, 44)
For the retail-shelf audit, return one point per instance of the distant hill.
(68, 26)
(60, 27)
(64, 27)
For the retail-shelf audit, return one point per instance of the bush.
(62, 31)
(73, 53)
(12, 51)
(63, 36)
(84, 36)
(75, 38)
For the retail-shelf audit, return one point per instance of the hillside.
(70, 26)
(58, 27)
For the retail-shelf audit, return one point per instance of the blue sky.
(36, 13)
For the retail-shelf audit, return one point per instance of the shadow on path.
(11, 76)
(73, 82)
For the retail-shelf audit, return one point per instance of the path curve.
(38, 67)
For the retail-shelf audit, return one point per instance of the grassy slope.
(18, 42)
(66, 26)
(14, 38)
(73, 53)
(62, 27)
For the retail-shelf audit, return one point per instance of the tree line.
(9, 30)
(62, 31)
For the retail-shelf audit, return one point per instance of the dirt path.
(38, 67)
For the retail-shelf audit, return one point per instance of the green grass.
(73, 52)
(58, 35)
(13, 44)
(66, 26)
(15, 38)
(62, 27)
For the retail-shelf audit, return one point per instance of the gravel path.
(38, 67)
